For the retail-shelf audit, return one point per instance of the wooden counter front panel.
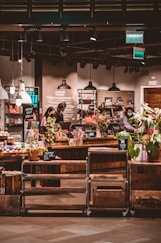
(145, 180)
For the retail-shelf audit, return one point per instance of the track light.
(82, 64)
(64, 35)
(93, 35)
(23, 36)
(38, 36)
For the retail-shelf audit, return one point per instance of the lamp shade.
(113, 88)
(90, 86)
(64, 85)
(26, 99)
(3, 93)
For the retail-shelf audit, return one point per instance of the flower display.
(149, 127)
(52, 129)
(101, 122)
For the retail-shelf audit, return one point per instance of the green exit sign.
(138, 53)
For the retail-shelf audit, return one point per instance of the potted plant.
(127, 141)
(32, 147)
(150, 130)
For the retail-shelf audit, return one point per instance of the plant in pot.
(150, 130)
(32, 147)
(127, 141)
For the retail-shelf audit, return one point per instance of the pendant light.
(114, 88)
(64, 84)
(90, 85)
(12, 86)
(3, 93)
(25, 97)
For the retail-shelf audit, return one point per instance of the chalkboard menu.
(28, 113)
(66, 96)
(49, 155)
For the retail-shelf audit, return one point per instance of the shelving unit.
(85, 98)
(15, 121)
(108, 180)
(72, 189)
(113, 100)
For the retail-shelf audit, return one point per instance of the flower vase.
(123, 144)
(154, 157)
(33, 155)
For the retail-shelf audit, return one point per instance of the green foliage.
(132, 151)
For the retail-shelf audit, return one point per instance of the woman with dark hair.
(49, 112)
(124, 121)
(59, 112)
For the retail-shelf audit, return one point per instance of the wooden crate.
(110, 199)
(146, 199)
(10, 205)
(12, 182)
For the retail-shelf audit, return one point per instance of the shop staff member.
(49, 112)
(59, 112)
(124, 121)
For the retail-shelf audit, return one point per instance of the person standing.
(49, 112)
(59, 112)
(125, 122)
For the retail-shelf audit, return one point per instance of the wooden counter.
(80, 152)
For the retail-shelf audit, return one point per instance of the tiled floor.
(99, 227)
(75, 227)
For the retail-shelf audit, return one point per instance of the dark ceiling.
(110, 20)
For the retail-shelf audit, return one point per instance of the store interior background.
(78, 77)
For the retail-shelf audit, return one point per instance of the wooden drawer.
(109, 194)
(110, 198)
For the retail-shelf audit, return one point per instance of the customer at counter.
(49, 112)
(59, 112)
(125, 123)
(90, 115)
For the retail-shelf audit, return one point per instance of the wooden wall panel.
(152, 96)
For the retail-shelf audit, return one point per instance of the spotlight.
(23, 36)
(93, 35)
(64, 35)
(82, 64)
(38, 36)
(108, 66)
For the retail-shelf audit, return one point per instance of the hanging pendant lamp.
(25, 97)
(90, 85)
(12, 88)
(113, 87)
(3, 93)
(64, 84)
